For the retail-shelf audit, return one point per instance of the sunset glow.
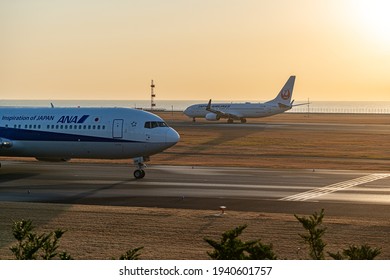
(375, 20)
(194, 50)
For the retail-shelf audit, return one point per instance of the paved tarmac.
(297, 126)
(341, 193)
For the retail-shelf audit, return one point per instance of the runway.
(344, 193)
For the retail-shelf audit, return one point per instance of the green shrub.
(313, 237)
(230, 247)
(31, 246)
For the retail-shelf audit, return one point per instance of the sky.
(339, 50)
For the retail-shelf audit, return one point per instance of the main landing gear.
(139, 163)
(243, 120)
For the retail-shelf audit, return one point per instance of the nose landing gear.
(139, 174)
(139, 163)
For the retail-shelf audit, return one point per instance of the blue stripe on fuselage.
(83, 118)
(37, 135)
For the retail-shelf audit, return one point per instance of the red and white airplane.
(241, 111)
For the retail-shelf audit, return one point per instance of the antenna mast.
(152, 96)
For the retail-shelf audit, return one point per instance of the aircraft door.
(117, 128)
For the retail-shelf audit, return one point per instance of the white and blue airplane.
(59, 134)
(241, 111)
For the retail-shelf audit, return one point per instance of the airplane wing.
(222, 114)
(284, 106)
(299, 104)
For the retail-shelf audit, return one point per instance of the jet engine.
(212, 117)
(5, 143)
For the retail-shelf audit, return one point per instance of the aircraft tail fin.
(285, 94)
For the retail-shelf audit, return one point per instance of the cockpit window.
(162, 124)
(155, 124)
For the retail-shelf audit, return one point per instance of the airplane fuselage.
(64, 133)
(241, 110)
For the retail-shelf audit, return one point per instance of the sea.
(331, 107)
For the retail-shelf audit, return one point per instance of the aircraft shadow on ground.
(7, 177)
(225, 134)
(86, 197)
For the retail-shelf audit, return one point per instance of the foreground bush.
(313, 238)
(353, 252)
(31, 246)
(230, 247)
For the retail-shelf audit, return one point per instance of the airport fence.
(340, 110)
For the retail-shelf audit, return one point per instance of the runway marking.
(214, 185)
(334, 187)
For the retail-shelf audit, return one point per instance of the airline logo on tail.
(286, 94)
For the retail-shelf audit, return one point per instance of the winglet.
(208, 106)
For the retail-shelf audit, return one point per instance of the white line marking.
(334, 187)
(186, 184)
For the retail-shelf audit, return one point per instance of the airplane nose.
(187, 111)
(172, 137)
